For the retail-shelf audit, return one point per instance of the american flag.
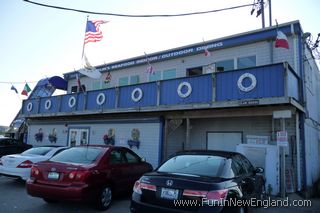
(93, 33)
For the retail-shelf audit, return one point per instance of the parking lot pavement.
(14, 198)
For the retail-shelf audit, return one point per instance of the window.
(246, 62)
(225, 65)
(237, 166)
(155, 77)
(123, 81)
(74, 89)
(169, 74)
(131, 158)
(78, 155)
(247, 165)
(116, 157)
(202, 165)
(134, 79)
(194, 71)
(96, 85)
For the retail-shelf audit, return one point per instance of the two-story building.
(246, 92)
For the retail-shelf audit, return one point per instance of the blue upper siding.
(271, 81)
(201, 90)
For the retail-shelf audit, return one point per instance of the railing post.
(117, 91)
(158, 93)
(214, 88)
(285, 79)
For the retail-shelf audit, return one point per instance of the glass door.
(78, 137)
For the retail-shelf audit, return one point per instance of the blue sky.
(38, 42)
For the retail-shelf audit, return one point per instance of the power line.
(138, 16)
(17, 82)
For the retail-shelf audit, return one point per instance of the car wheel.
(50, 200)
(105, 198)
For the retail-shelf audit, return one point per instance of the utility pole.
(270, 16)
(262, 12)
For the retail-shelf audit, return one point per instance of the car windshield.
(78, 155)
(199, 165)
(37, 151)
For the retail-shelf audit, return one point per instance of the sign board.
(257, 139)
(282, 138)
(282, 114)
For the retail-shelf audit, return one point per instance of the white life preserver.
(47, 104)
(101, 98)
(133, 94)
(72, 101)
(189, 89)
(251, 86)
(29, 106)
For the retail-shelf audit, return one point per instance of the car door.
(249, 179)
(118, 168)
(240, 174)
(135, 168)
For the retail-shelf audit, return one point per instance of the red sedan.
(87, 173)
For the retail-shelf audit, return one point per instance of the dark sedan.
(87, 173)
(10, 146)
(199, 181)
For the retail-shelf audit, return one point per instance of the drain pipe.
(298, 151)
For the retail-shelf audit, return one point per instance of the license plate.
(53, 175)
(171, 194)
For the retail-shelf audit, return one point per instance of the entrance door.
(226, 141)
(78, 137)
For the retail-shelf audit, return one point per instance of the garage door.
(226, 141)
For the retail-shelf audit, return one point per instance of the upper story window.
(123, 81)
(225, 65)
(246, 62)
(134, 79)
(155, 77)
(169, 74)
(194, 71)
(164, 75)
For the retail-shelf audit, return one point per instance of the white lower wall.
(150, 135)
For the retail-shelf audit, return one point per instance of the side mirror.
(259, 170)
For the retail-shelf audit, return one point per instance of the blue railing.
(277, 80)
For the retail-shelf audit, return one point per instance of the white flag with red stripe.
(281, 40)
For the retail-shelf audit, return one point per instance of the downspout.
(303, 101)
(298, 152)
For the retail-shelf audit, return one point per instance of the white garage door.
(226, 141)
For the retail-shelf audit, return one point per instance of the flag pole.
(84, 37)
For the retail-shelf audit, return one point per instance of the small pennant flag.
(79, 83)
(108, 78)
(26, 90)
(281, 40)
(89, 70)
(13, 88)
(150, 68)
(206, 52)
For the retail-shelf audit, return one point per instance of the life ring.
(72, 101)
(47, 104)
(187, 93)
(101, 98)
(251, 86)
(29, 106)
(133, 94)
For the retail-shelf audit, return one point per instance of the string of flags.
(25, 91)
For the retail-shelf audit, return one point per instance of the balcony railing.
(271, 81)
